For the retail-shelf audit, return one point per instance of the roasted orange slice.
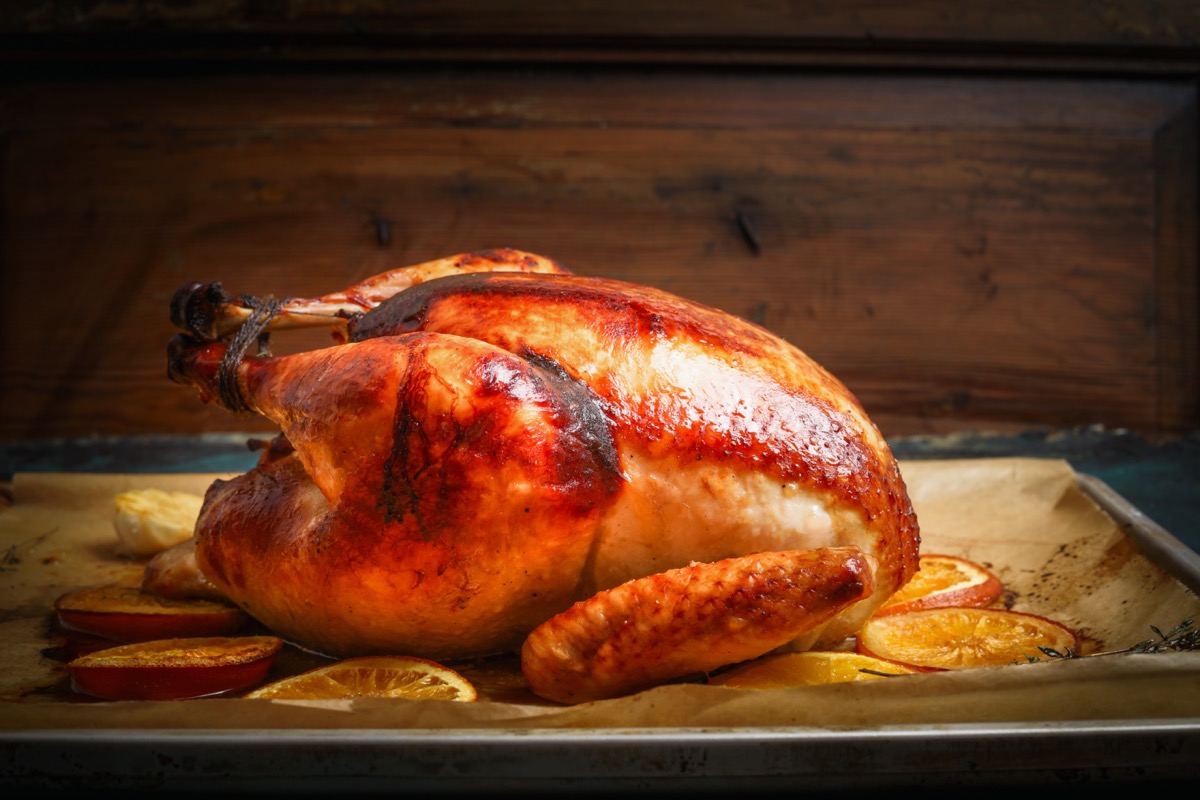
(127, 614)
(944, 581)
(811, 668)
(372, 676)
(960, 638)
(173, 669)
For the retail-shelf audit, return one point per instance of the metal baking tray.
(814, 760)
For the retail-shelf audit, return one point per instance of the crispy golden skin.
(688, 620)
(489, 448)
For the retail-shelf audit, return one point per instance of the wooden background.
(980, 216)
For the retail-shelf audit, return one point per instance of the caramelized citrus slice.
(173, 669)
(959, 638)
(944, 581)
(812, 668)
(372, 676)
(127, 614)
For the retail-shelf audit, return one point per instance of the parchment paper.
(1057, 552)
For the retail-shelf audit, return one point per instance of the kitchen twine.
(254, 329)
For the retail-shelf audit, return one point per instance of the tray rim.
(1104, 751)
(1158, 544)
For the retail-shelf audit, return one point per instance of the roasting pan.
(800, 759)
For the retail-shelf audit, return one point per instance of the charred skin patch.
(521, 418)
(578, 412)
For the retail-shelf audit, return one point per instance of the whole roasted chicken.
(495, 454)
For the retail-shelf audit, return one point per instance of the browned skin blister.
(489, 448)
(689, 620)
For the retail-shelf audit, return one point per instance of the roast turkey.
(497, 455)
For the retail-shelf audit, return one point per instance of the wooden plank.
(1117, 37)
(1115, 23)
(966, 253)
(507, 97)
(1177, 270)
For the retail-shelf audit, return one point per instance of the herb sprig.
(1184, 636)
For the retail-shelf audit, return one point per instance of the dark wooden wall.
(979, 216)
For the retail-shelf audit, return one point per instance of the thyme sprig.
(1184, 636)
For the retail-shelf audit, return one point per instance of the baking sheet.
(1063, 543)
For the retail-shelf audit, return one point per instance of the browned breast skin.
(672, 376)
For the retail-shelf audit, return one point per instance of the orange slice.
(960, 638)
(127, 614)
(372, 676)
(811, 668)
(173, 669)
(942, 582)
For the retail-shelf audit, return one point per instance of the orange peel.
(811, 668)
(961, 638)
(372, 676)
(944, 581)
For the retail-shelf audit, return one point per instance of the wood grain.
(1160, 34)
(964, 251)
